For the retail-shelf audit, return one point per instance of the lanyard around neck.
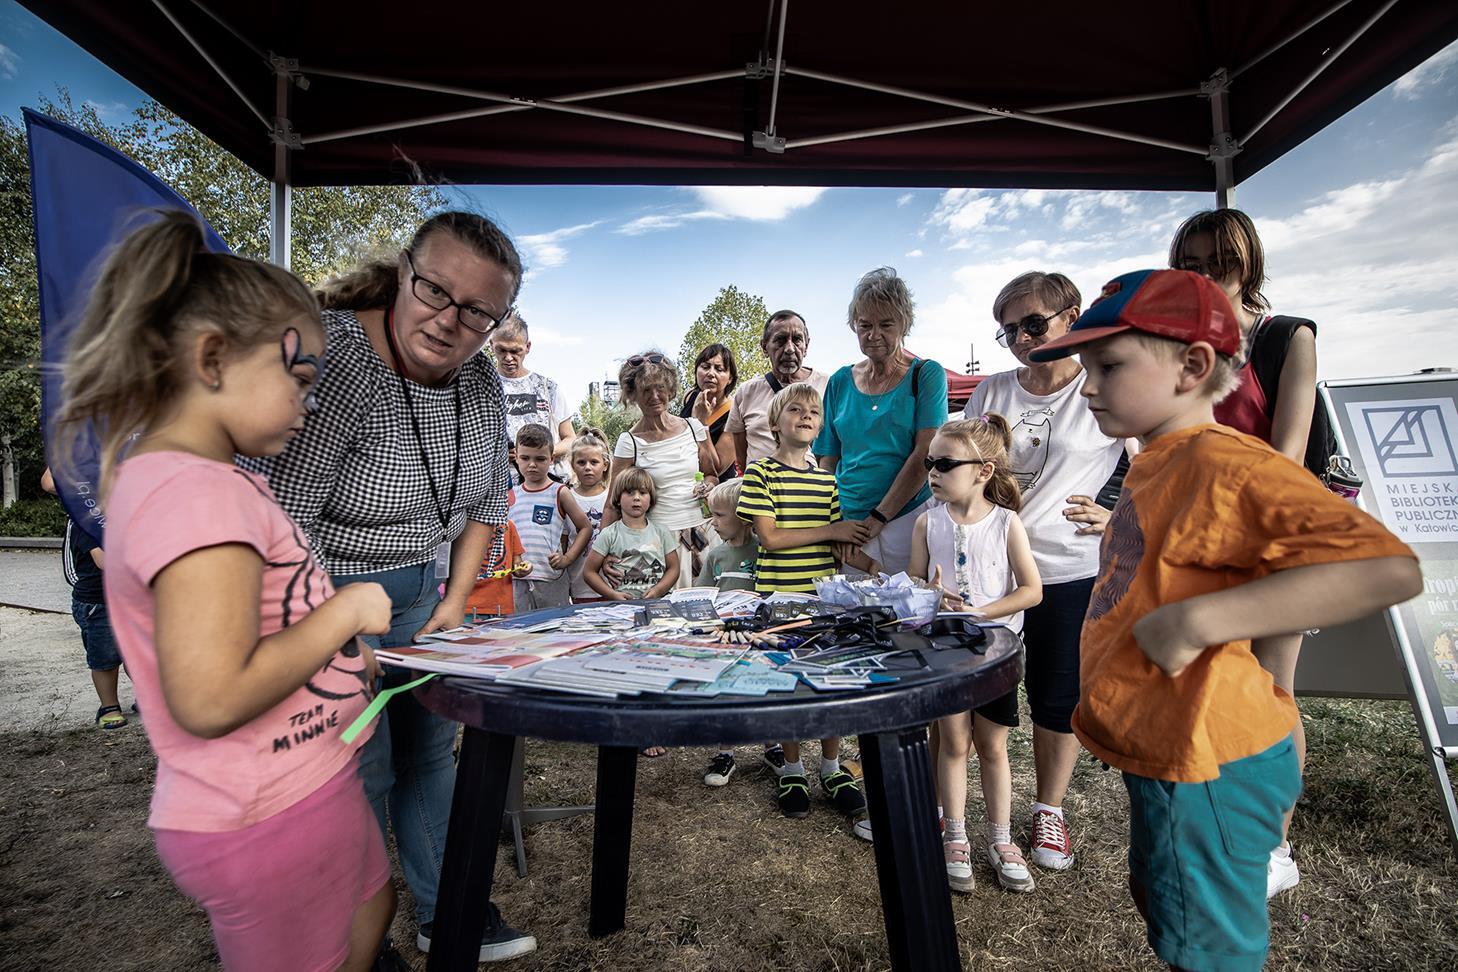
(443, 512)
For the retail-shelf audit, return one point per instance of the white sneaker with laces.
(1281, 873)
(1052, 847)
(862, 829)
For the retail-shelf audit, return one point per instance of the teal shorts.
(1198, 854)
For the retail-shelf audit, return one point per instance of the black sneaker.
(720, 770)
(844, 792)
(793, 795)
(499, 941)
(774, 758)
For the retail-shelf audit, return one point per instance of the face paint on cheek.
(291, 345)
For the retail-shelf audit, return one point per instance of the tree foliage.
(333, 228)
(735, 319)
(611, 420)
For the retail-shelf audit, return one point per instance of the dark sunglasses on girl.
(943, 464)
(1034, 325)
(652, 357)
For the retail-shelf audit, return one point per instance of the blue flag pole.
(83, 193)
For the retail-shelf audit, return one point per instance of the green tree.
(611, 420)
(332, 228)
(734, 319)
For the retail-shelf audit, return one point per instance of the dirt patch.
(721, 881)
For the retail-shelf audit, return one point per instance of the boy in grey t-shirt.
(730, 565)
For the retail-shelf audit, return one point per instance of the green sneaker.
(793, 795)
(842, 790)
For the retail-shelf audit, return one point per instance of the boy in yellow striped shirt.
(795, 510)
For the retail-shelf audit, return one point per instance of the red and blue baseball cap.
(1177, 304)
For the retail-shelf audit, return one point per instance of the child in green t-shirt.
(730, 565)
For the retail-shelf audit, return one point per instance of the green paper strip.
(378, 705)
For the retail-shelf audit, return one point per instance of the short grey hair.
(882, 286)
(1052, 289)
(511, 326)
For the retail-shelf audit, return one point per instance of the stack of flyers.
(693, 594)
(736, 604)
(842, 681)
(745, 678)
(650, 662)
(572, 675)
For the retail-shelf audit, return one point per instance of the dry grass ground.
(720, 881)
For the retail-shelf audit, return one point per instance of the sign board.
(1401, 434)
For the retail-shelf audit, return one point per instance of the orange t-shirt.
(493, 597)
(1202, 510)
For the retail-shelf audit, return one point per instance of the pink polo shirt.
(165, 505)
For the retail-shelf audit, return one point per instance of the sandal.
(110, 717)
(959, 864)
(1011, 869)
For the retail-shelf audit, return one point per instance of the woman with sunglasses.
(400, 478)
(672, 449)
(880, 416)
(1060, 460)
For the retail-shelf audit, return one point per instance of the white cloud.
(964, 215)
(549, 337)
(545, 250)
(904, 198)
(9, 63)
(757, 202)
(1426, 75)
(914, 253)
(112, 111)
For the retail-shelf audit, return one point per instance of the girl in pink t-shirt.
(230, 630)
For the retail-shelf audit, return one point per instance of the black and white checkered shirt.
(353, 479)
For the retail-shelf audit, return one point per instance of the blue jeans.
(408, 766)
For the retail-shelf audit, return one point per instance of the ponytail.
(990, 437)
(126, 361)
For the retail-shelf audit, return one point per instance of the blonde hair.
(1053, 290)
(883, 287)
(801, 392)
(989, 437)
(725, 496)
(1224, 376)
(1234, 235)
(589, 438)
(637, 479)
(632, 379)
(375, 283)
(160, 286)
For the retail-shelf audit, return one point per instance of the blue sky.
(1359, 224)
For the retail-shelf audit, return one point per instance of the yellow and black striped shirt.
(797, 499)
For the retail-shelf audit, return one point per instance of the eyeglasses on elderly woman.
(652, 357)
(434, 296)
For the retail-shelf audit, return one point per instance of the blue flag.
(85, 194)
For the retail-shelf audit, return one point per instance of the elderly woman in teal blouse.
(880, 416)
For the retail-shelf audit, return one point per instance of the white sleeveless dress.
(973, 557)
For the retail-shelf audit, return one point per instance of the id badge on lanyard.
(443, 560)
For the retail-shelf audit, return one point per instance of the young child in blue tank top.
(975, 547)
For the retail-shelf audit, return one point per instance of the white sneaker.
(1011, 869)
(958, 854)
(1281, 874)
(862, 829)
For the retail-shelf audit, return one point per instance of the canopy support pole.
(285, 142)
(1223, 145)
(779, 64)
(187, 36)
(1326, 62)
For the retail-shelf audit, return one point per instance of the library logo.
(1411, 439)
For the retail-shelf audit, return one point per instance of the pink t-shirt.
(163, 506)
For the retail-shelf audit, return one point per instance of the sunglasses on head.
(1034, 325)
(944, 464)
(652, 357)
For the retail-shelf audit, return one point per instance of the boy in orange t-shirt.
(1216, 539)
(492, 596)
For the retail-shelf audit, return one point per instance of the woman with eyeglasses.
(1275, 401)
(1060, 460)
(880, 416)
(400, 478)
(672, 449)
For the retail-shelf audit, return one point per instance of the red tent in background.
(959, 389)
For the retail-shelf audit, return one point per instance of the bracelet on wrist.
(879, 517)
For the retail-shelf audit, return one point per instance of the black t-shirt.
(81, 571)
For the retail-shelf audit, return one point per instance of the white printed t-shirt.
(534, 399)
(1057, 452)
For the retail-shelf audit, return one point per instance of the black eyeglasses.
(943, 464)
(434, 296)
(1034, 325)
(652, 357)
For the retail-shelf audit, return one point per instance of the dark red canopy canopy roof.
(1025, 57)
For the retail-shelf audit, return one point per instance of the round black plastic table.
(890, 720)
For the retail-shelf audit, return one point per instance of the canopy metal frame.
(290, 74)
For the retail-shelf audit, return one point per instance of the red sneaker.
(1052, 847)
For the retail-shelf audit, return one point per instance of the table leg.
(470, 851)
(612, 837)
(909, 862)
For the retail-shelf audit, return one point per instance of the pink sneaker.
(1052, 847)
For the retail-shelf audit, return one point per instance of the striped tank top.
(540, 523)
